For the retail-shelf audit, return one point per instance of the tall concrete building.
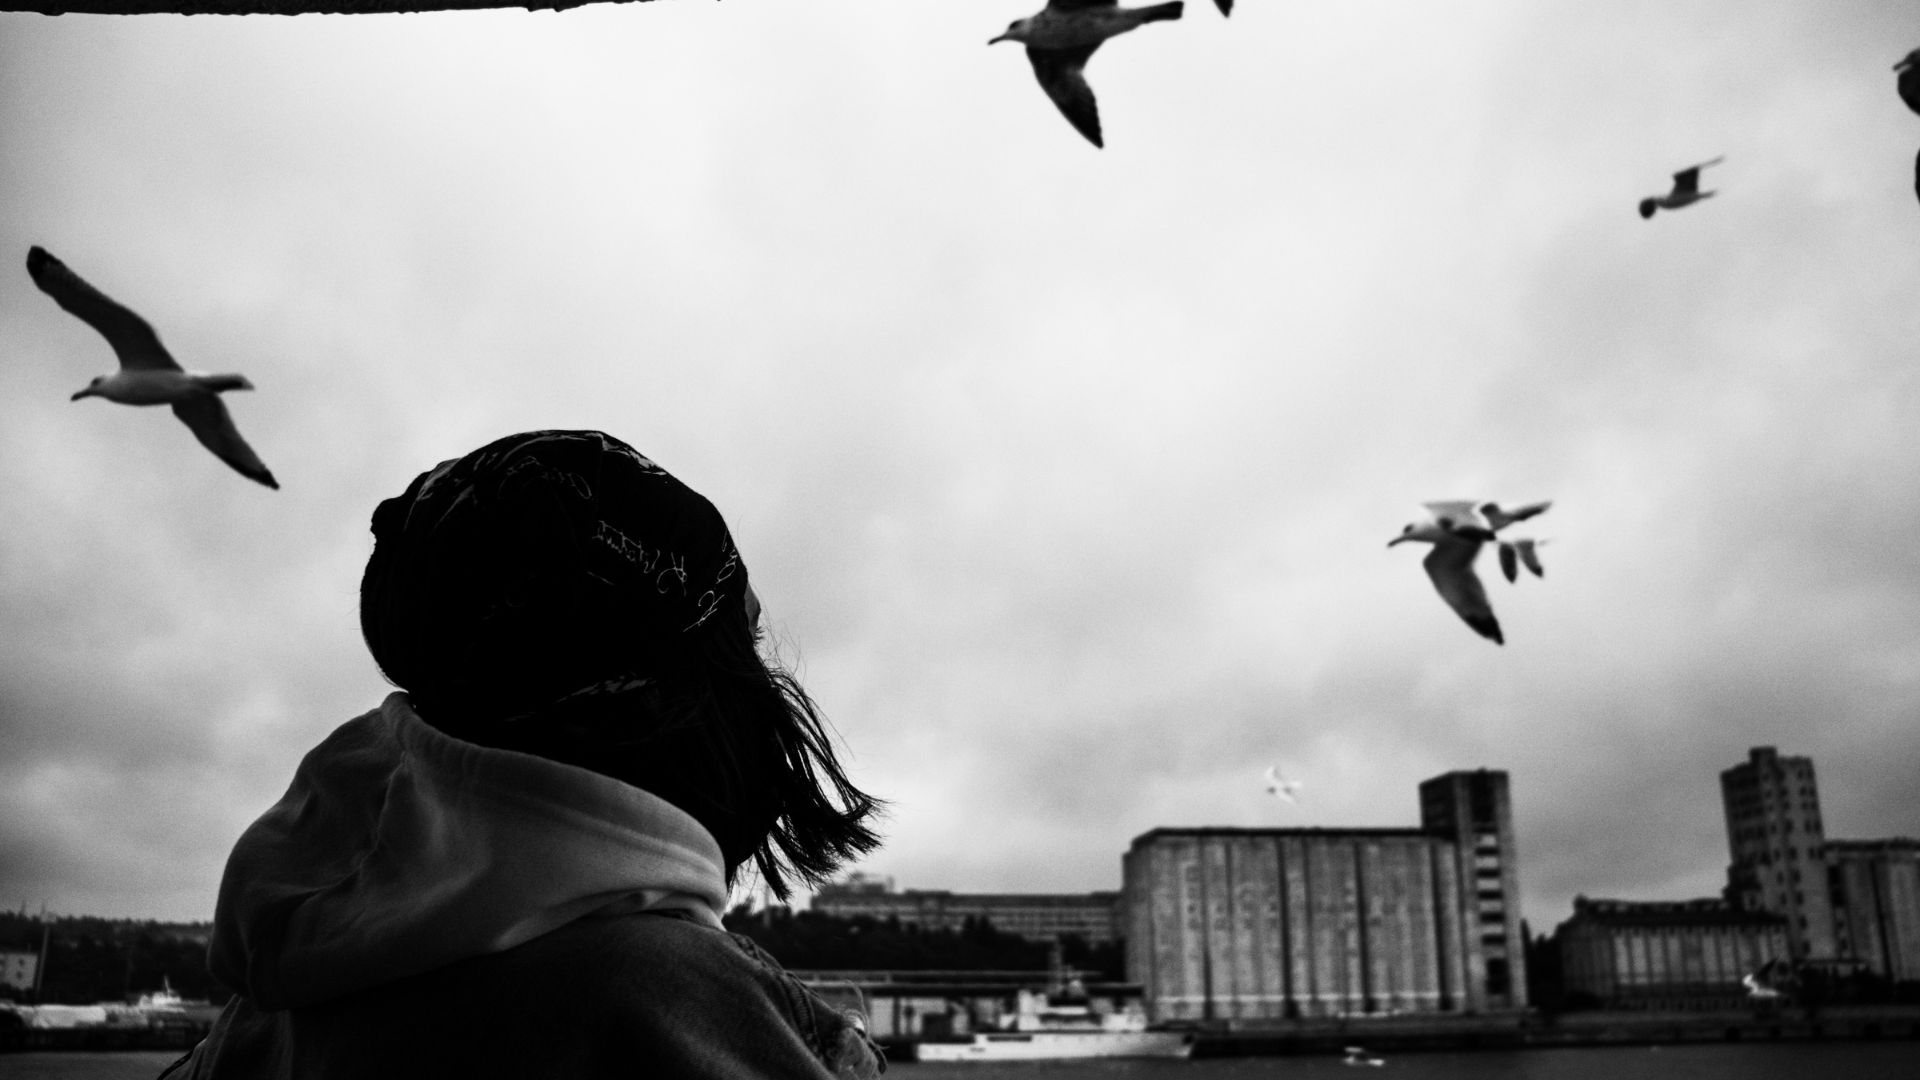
(1472, 809)
(1778, 847)
(1271, 924)
(1875, 887)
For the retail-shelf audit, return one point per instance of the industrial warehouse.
(1270, 924)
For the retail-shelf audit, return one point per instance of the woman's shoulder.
(655, 964)
(699, 986)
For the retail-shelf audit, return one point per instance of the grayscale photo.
(951, 540)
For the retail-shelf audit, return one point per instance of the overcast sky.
(1065, 474)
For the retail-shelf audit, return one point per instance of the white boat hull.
(1057, 1045)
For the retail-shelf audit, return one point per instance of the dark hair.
(490, 599)
(727, 735)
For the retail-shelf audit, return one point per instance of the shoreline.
(1861, 1023)
(1515, 1031)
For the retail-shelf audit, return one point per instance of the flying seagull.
(1456, 534)
(148, 375)
(1280, 786)
(1686, 190)
(1062, 36)
(1525, 551)
(1909, 84)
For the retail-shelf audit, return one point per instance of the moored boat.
(1044, 1028)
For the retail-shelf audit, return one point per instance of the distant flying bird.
(1280, 786)
(1772, 979)
(1524, 551)
(1456, 534)
(148, 375)
(1062, 36)
(1686, 190)
(1909, 84)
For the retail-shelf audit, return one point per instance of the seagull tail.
(1162, 11)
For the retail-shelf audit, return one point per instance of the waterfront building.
(1244, 924)
(1686, 954)
(1472, 809)
(1093, 917)
(1875, 889)
(1777, 841)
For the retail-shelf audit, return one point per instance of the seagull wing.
(1507, 563)
(1530, 555)
(1226, 8)
(1455, 514)
(206, 415)
(133, 341)
(1687, 180)
(1060, 75)
(1450, 565)
(1498, 519)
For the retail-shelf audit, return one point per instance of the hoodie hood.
(399, 849)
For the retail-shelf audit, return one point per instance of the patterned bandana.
(545, 566)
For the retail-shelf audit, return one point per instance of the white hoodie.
(398, 850)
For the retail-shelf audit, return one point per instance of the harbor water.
(1736, 1061)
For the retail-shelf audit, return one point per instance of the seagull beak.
(1395, 540)
(88, 392)
(1003, 37)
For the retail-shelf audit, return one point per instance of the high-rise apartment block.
(1778, 845)
(1850, 904)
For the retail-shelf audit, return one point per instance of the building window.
(1499, 981)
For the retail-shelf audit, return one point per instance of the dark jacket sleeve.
(633, 995)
